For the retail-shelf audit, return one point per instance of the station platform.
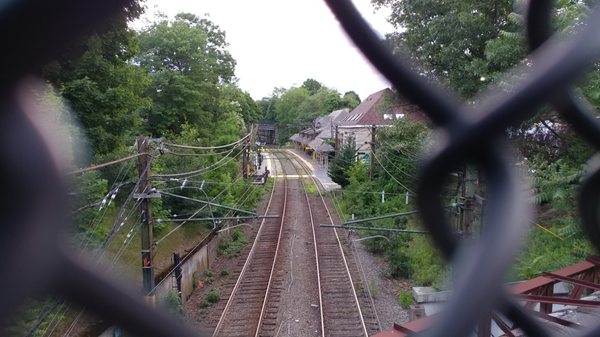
(318, 171)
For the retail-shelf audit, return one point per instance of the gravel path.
(298, 309)
(384, 290)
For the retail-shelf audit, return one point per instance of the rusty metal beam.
(484, 328)
(556, 320)
(557, 300)
(502, 325)
(574, 281)
(593, 259)
(540, 281)
(547, 291)
(403, 329)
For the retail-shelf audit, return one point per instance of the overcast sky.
(280, 43)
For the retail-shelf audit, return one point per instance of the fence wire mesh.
(38, 262)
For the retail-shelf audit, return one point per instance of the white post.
(383, 197)
(406, 198)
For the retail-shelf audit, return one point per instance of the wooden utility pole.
(337, 140)
(468, 195)
(144, 192)
(372, 156)
(245, 161)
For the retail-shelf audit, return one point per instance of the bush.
(405, 299)
(224, 273)
(426, 264)
(195, 278)
(399, 262)
(172, 302)
(231, 246)
(208, 277)
(213, 296)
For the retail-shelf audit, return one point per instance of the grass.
(232, 244)
(373, 288)
(405, 299)
(311, 188)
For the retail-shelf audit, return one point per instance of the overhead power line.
(190, 154)
(208, 147)
(110, 163)
(206, 202)
(221, 162)
(392, 176)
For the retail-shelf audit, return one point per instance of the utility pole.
(372, 156)
(468, 195)
(337, 140)
(144, 194)
(245, 160)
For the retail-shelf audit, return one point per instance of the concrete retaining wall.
(198, 261)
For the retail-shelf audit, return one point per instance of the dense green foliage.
(187, 63)
(398, 150)
(449, 39)
(469, 46)
(339, 168)
(171, 302)
(172, 80)
(295, 108)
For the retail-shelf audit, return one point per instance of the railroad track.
(246, 308)
(341, 314)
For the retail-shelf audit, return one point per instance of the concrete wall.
(198, 262)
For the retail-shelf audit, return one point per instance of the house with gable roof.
(328, 134)
(380, 109)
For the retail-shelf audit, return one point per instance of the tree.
(102, 86)
(287, 112)
(312, 85)
(343, 161)
(350, 100)
(399, 150)
(241, 101)
(188, 62)
(448, 38)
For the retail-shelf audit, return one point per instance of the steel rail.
(266, 297)
(251, 254)
(293, 159)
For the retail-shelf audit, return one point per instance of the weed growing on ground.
(232, 244)
(213, 296)
(405, 299)
(374, 288)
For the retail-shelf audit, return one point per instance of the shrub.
(405, 299)
(426, 264)
(224, 273)
(399, 263)
(231, 246)
(213, 296)
(172, 302)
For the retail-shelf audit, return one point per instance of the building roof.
(320, 145)
(366, 112)
(374, 110)
(295, 137)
